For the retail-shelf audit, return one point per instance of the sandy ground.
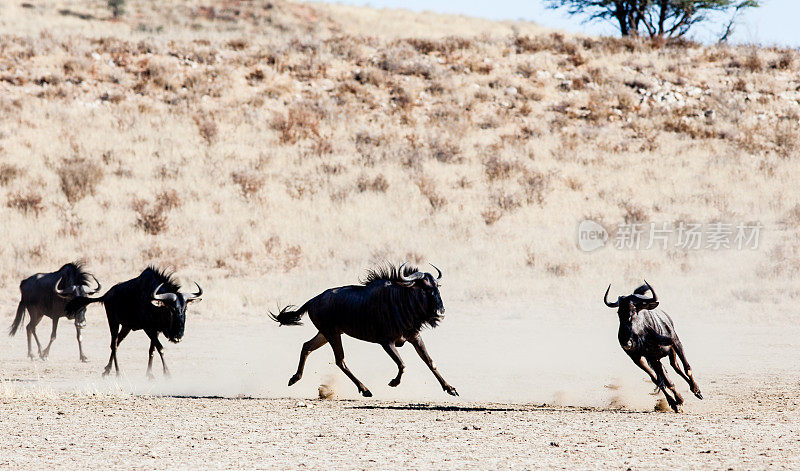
(537, 391)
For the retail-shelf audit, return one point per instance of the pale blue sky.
(774, 23)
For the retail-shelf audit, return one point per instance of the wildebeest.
(47, 294)
(151, 302)
(647, 335)
(390, 307)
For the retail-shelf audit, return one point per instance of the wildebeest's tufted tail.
(289, 316)
(18, 319)
(78, 303)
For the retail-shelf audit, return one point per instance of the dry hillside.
(271, 148)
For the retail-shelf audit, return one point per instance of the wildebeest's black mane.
(165, 276)
(76, 269)
(387, 272)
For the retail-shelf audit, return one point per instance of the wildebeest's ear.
(650, 305)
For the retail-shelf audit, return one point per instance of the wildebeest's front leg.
(664, 383)
(80, 343)
(392, 351)
(30, 329)
(308, 347)
(46, 351)
(335, 339)
(154, 343)
(419, 346)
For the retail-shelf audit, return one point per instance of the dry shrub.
(753, 61)
(369, 76)
(300, 122)
(207, 128)
(150, 217)
(785, 61)
(79, 177)
(249, 182)
(8, 173)
(238, 44)
(291, 257)
(428, 189)
(534, 185)
(169, 199)
(633, 213)
(445, 150)
(321, 145)
(561, 269)
(255, 76)
(497, 169)
(786, 138)
(28, 203)
(377, 184)
(491, 215)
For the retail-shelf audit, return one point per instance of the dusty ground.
(540, 401)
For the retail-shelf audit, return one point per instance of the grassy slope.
(270, 152)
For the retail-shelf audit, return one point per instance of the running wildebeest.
(151, 302)
(47, 294)
(389, 308)
(647, 335)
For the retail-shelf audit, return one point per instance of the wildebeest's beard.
(437, 301)
(176, 323)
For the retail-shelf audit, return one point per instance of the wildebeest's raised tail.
(17, 320)
(80, 302)
(289, 315)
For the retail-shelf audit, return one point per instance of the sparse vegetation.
(263, 122)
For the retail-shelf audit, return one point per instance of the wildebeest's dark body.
(389, 308)
(647, 335)
(151, 302)
(47, 294)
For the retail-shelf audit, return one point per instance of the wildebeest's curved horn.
(438, 277)
(605, 298)
(645, 298)
(411, 278)
(172, 297)
(193, 296)
(64, 293)
(99, 286)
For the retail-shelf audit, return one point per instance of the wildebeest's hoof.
(293, 380)
(366, 393)
(395, 382)
(451, 391)
(84, 359)
(151, 376)
(698, 394)
(106, 372)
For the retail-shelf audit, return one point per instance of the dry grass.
(230, 126)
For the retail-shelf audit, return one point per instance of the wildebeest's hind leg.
(392, 351)
(30, 329)
(664, 383)
(335, 340)
(117, 336)
(677, 351)
(419, 346)
(80, 344)
(46, 351)
(308, 347)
